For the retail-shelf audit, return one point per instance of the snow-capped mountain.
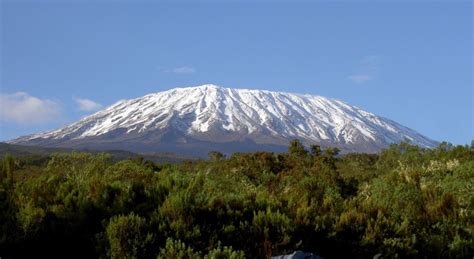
(195, 120)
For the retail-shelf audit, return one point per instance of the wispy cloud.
(366, 69)
(360, 78)
(180, 70)
(87, 105)
(22, 108)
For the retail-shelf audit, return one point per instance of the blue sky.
(410, 62)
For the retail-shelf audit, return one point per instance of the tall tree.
(297, 149)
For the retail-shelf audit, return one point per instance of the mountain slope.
(195, 120)
(19, 151)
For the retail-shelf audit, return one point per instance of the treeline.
(404, 202)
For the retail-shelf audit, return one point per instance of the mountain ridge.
(194, 118)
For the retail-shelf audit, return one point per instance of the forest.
(404, 202)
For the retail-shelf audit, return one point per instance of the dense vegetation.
(36, 152)
(404, 202)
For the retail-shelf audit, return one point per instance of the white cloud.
(181, 70)
(360, 78)
(22, 108)
(87, 105)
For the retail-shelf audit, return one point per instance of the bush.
(128, 236)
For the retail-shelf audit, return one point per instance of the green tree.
(297, 149)
(216, 156)
(273, 229)
(175, 249)
(225, 252)
(315, 150)
(128, 236)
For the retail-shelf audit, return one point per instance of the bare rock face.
(195, 120)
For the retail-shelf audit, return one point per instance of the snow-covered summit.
(210, 113)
